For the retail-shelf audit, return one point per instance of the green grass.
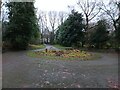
(61, 47)
(32, 46)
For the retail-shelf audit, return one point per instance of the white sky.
(54, 5)
(57, 5)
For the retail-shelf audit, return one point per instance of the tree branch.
(94, 15)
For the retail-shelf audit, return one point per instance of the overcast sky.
(54, 5)
(57, 5)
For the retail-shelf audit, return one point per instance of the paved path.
(19, 70)
(49, 47)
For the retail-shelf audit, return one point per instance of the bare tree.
(43, 20)
(90, 9)
(112, 10)
(62, 17)
(52, 19)
(43, 23)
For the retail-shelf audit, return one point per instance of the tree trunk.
(86, 27)
(114, 24)
(86, 30)
(116, 40)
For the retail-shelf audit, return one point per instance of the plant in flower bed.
(64, 54)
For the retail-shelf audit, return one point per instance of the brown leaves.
(75, 53)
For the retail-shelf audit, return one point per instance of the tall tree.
(100, 36)
(71, 31)
(90, 10)
(112, 11)
(52, 20)
(23, 25)
(43, 22)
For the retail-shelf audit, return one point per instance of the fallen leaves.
(66, 54)
(112, 83)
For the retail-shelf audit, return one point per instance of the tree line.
(78, 30)
(95, 25)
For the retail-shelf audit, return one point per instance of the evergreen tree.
(71, 31)
(100, 36)
(22, 25)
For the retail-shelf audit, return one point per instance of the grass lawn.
(32, 46)
(62, 47)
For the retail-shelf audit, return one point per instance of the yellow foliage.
(66, 54)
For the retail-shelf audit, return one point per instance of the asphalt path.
(22, 71)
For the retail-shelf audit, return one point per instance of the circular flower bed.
(64, 54)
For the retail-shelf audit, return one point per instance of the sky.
(54, 5)
(58, 5)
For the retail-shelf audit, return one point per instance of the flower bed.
(64, 54)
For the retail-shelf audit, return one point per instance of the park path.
(49, 47)
(21, 71)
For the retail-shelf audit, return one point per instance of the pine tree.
(70, 32)
(22, 26)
